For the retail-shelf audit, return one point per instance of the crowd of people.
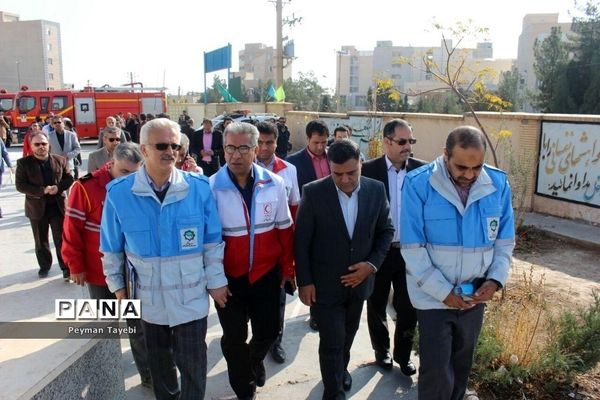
(188, 215)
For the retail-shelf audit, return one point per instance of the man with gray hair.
(96, 159)
(257, 229)
(165, 222)
(81, 238)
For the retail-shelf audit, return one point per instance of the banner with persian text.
(569, 163)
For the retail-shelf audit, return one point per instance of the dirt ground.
(570, 270)
(571, 273)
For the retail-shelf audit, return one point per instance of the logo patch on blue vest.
(493, 225)
(189, 238)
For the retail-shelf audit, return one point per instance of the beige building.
(405, 66)
(258, 65)
(536, 27)
(30, 53)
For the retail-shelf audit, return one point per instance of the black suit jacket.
(323, 248)
(377, 169)
(304, 167)
(197, 145)
(29, 180)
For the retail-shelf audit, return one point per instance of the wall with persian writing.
(518, 138)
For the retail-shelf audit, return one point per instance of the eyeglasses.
(164, 146)
(243, 149)
(116, 139)
(57, 122)
(39, 144)
(403, 141)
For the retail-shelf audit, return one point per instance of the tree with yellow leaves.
(459, 74)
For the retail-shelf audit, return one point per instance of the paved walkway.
(575, 231)
(24, 297)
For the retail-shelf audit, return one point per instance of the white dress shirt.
(349, 206)
(395, 181)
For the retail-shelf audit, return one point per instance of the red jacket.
(81, 229)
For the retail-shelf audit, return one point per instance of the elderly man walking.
(165, 222)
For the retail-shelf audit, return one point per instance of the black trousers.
(180, 347)
(53, 219)
(447, 341)
(392, 272)
(259, 304)
(338, 323)
(136, 340)
(282, 299)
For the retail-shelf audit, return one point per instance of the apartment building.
(30, 53)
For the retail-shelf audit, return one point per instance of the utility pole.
(19, 75)
(279, 49)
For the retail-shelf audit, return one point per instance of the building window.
(353, 89)
(49, 61)
(49, 32)
(49, 46)
(51, 76)
(360, 101)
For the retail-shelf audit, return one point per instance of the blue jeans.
(183, 347)
(447, 341)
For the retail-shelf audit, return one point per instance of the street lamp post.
(18, 75)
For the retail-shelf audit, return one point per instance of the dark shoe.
(347, 381)
(42, 273)
(66, 275)
(147, 382)
(408, 369)
(260, 374)
(278, 353)
(313, 324)
(384, 360)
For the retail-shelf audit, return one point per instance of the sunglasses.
(164, 146)
(402, 142)
(114, 139)
(243, 149)
(57, 122)
(39, 144)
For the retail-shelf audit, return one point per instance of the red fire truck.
(87, 108)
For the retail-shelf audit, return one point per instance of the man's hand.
(78, 278)
(308, 294)
(121, 294)
(51, 190)
(485, 292)
(291, 280)
(359, 272)
(220, 295)
(455, 301)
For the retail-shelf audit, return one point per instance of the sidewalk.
(24, 297)
(574, 231)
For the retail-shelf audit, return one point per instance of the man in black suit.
(343, 232)
(390, 169)
(206, 146)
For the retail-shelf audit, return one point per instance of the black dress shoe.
(260, 374)
(313, 324)
(42, 273)
(347, 381)
(66, 275)
(278, 353)
(408, 369)
(384, 360)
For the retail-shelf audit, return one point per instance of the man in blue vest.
(457, 237)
